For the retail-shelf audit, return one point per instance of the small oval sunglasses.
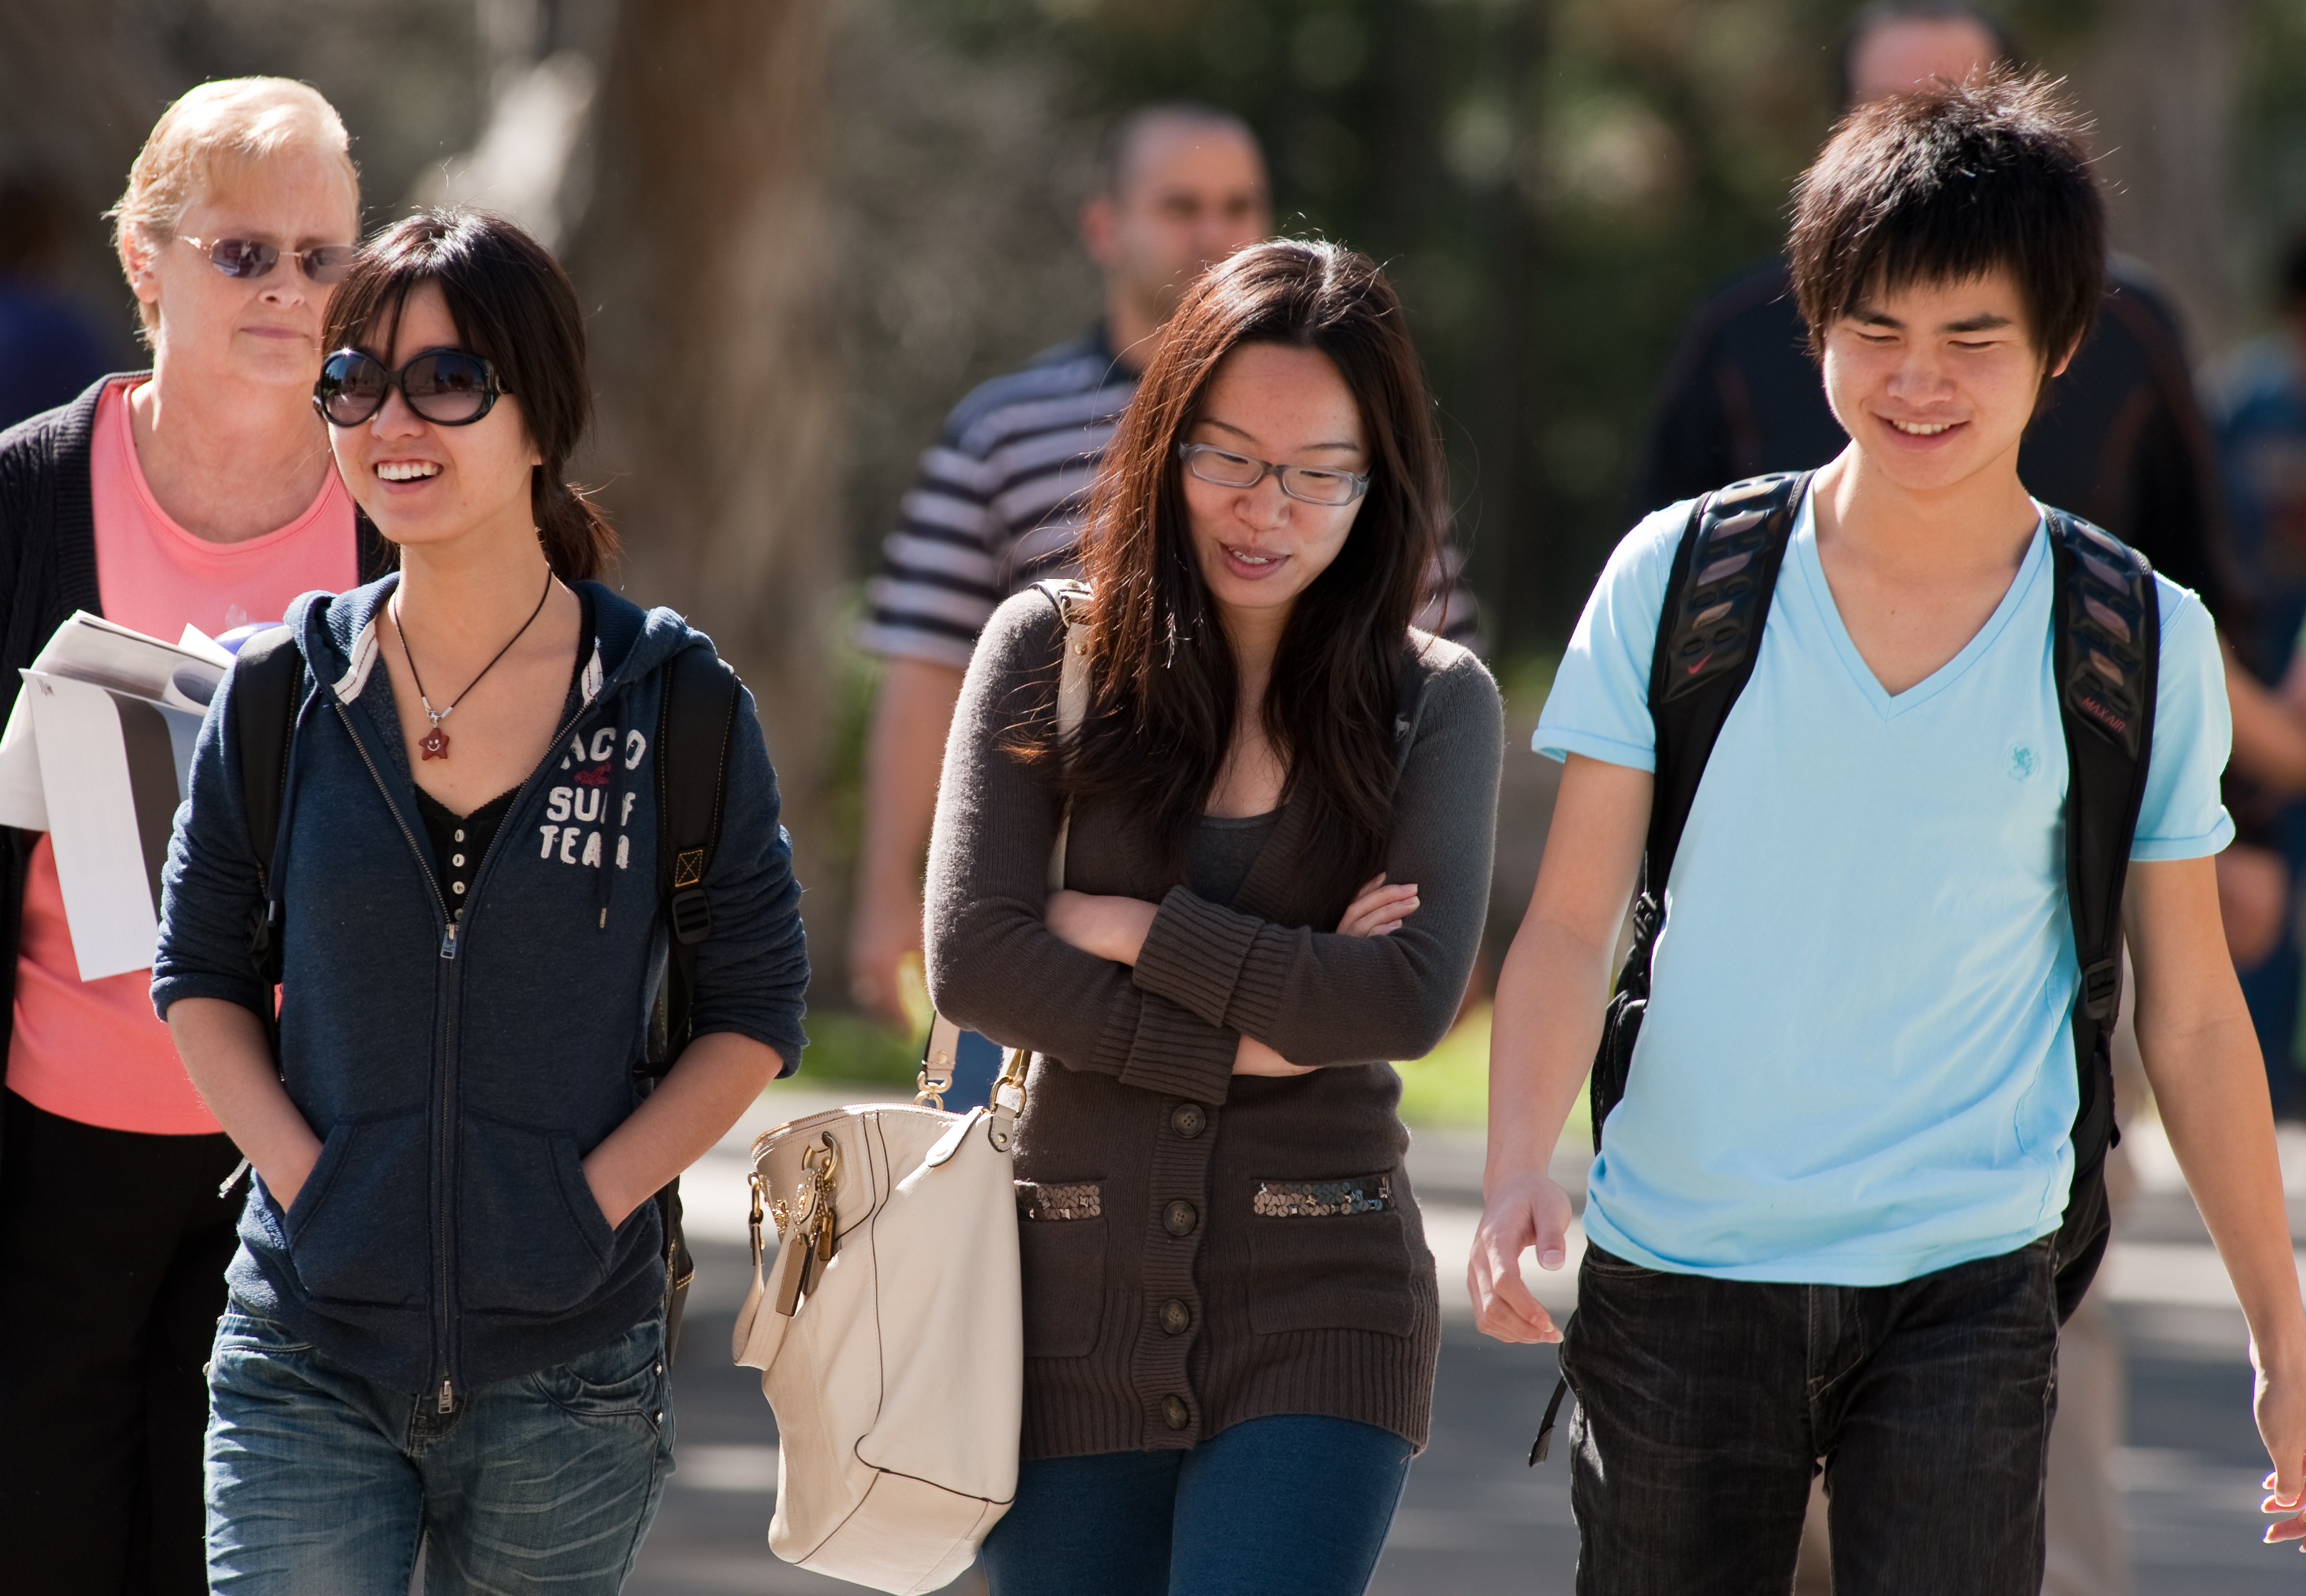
(1307, 485)
(449, 387)
(247, 258)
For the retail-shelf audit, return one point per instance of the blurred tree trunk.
(703, 259)
(2162, 84)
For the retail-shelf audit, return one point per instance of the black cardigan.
(47, 557)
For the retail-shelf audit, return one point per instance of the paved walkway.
(1474, 1518)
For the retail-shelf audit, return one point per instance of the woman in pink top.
(201, 492)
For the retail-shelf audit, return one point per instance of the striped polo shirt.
(1000, 501)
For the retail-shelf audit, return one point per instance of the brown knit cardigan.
(1200, 1250)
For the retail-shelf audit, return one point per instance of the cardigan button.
(1174, 1414)
(1176, 1319)
(1189, 1120)
(1180, 1217)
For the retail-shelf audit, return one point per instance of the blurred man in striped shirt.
(1001, 494)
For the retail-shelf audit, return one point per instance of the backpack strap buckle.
(2101, 988)
(692, 916)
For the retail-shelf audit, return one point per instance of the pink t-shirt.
(92, 1051)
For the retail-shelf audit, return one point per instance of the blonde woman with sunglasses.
(200, 492)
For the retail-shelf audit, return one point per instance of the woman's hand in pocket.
(285, 1172)
(1378, 909)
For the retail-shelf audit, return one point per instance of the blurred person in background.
(2259, 402)
(49, 347)
(200, 493)
(1001, 497)
(2119, 440)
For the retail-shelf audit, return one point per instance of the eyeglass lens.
(447, 387)
(248, 258)
(1309, 482)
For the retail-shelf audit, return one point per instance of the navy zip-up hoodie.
(457, 1071)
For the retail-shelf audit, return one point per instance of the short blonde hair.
(211, 134)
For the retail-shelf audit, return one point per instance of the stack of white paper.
(95, 753)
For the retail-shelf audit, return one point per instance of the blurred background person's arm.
(904, 748)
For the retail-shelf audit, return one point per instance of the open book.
(95, 753)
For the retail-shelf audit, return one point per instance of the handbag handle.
(936, 1077)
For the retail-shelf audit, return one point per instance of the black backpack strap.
(1717, 597)
(2106, 645)
(695, 721)
(1708, 637)
(267, 678)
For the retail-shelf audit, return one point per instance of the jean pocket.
(356, 1233)
(240, 1330)
(1329, 1255)
(1061, 1241)
(531, 1239)
(620, 1378)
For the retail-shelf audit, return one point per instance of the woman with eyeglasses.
(1276, 821)
(200, 493)
(447, 1321)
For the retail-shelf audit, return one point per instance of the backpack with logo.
(2106, 630)
(695, 719)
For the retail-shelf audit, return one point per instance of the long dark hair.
(516, 308)
(1161, 716)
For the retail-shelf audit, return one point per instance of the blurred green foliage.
(847, 1047)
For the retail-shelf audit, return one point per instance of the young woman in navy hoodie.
(447, 1310)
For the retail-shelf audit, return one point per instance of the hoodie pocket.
(529, 1238)
(356, 1232)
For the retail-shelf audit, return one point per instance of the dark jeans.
(1290, 1506)
(1705, 1406)
(112, 1247)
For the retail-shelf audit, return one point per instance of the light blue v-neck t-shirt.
(1857, 1065)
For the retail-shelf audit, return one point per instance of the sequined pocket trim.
(1323, 1199)
(1082, 1201)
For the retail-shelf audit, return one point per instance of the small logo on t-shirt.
(2020, 761)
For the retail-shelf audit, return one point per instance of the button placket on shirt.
(1181, 1162)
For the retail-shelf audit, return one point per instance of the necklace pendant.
(435, 744)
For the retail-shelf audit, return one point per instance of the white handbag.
(890, 1328)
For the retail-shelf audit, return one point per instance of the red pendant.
(435, 744)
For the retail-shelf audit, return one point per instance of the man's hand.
(2280, 1407)
(1522, 1212)
(904, 749)
(887, 929)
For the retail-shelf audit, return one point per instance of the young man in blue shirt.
(1821, 1221)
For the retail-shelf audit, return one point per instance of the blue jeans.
(321, 1479)
(1291, 1505)
(1705, 1405)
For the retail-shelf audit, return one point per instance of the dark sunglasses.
(246, 258)
(449, 387)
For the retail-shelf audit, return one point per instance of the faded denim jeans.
(319, 1479)
(1705, 1406)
